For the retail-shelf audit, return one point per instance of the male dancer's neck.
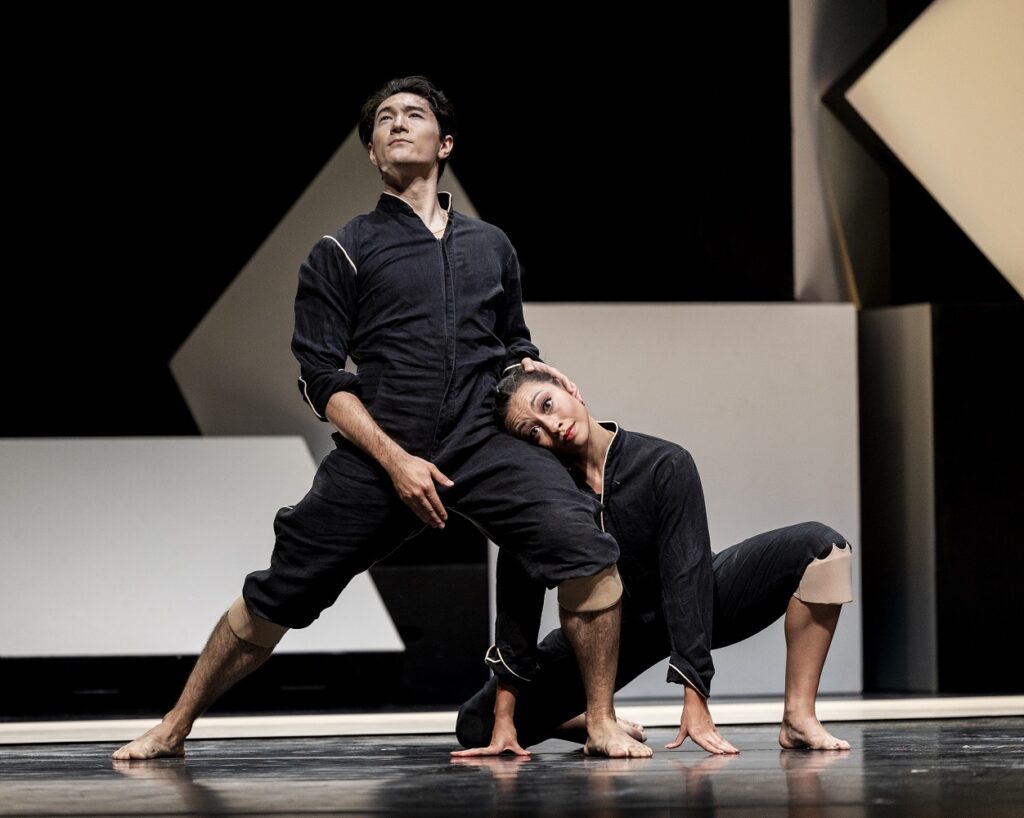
(418, 191)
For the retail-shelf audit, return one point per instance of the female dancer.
(679, 599)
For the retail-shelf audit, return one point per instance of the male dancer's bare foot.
(608, 738)
(162, 741)
(577, 727)
(225, 660)
(635, 730)
(806, 733)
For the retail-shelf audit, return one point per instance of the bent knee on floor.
(591, 594)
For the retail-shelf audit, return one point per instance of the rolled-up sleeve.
(325, 315)
(515, 333)
(686, 571)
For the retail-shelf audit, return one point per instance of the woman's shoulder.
(650, 443)
(642, 453)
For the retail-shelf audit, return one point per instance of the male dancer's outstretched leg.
(225, 660)
(809, 629)
(595, 639)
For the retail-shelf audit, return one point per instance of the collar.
(393, 203)
(606, 472)
(614, 428)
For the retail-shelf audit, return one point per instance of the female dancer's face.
(546, 415)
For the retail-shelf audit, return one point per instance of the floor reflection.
(174, 773)
(686, 779)
(911, 766)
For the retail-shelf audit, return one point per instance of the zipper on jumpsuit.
(604, 467)
(448, 297)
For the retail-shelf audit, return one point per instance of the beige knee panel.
(252, 629)
(828, 580)
(589, 594)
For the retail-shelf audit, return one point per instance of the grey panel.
(899, 472)
(834, 185)
(765, 398)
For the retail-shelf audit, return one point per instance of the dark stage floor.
(954, 767)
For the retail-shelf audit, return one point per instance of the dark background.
(149, 173)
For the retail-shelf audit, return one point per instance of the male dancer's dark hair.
(442, 107)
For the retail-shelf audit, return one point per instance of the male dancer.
(427, 301)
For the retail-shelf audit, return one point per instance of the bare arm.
(503, 736)
(413, 477)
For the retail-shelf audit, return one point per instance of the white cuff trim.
(305, 394)
(501, 661)
(686, 679)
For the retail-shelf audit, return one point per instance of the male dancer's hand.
(697, 724)
(413, 478)
(530, 365)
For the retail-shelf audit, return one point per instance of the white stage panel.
(135, 546)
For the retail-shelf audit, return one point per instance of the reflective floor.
(954, 767)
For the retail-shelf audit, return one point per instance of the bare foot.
(576, 729)
(608, 738)
(807, 733)
(161, 741)
(635, 730)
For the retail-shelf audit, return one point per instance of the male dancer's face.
(406, 135)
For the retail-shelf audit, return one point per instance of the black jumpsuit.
(431, 324)
(679, 599)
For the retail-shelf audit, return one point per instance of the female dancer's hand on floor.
(502, 738)
(696, 723)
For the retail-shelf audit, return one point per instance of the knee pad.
(590, 594)
(252, 629)
(829, 579)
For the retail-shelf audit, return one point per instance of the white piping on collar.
(604, 464)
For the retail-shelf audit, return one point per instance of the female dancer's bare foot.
(162, 741)
(608, 738)
(807, 733)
